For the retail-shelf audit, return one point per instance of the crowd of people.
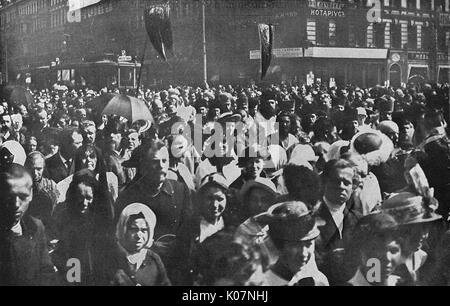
(339, 186)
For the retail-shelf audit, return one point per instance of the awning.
(355, 53)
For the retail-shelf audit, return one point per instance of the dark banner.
(266, 39)
(159, 29)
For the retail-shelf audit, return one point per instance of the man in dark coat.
(58, 166)
(337, 178)
(24, 258)
(436, 160)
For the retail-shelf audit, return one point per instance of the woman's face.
(297, 254)
(415, 235)
(137, 235)
(31, 145)
(84, 197)
(384, 254)
(89, 160)
(259, 200)
(214, 202)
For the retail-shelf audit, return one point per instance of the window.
(322, 33)
(396, 36)
(343, 33)
(396, 3)
(443, 41)
(425, 5)
(378, 34)
(427, 41)
(411, 4)
(412, 37)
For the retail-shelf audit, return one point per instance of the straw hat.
(409, 208)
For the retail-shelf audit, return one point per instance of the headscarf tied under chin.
(131, 210)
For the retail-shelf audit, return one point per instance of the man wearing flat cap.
(293, 229)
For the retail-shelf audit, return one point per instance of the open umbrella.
(20, 95)
(99, 103)
(128, 107)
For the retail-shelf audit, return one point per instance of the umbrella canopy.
(20, 95)
(128, 107)
(99, 103)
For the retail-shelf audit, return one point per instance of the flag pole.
(205, 71)
(142, 66)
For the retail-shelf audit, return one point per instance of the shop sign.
(326, 9)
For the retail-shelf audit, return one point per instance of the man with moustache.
(24, 257)
(169, 199)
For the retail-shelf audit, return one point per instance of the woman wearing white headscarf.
(135, 264)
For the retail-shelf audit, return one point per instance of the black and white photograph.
(225, 144)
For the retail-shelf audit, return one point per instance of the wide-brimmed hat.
(410, 208)
(12, 152)
(259, 182)
(375, 146)
(290, 221)
(304, 152)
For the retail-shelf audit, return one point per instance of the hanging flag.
(266, 39)
(159, 29)
(79, 4)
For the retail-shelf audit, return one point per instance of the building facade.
(363, 42)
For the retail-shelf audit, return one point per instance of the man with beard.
(266, 116)
(171, 202)
(24, 257)
(6, 127)
(282, 136)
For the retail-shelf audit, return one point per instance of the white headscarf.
(134, 209)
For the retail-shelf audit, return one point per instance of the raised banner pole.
(205, 70)
(140, 68)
